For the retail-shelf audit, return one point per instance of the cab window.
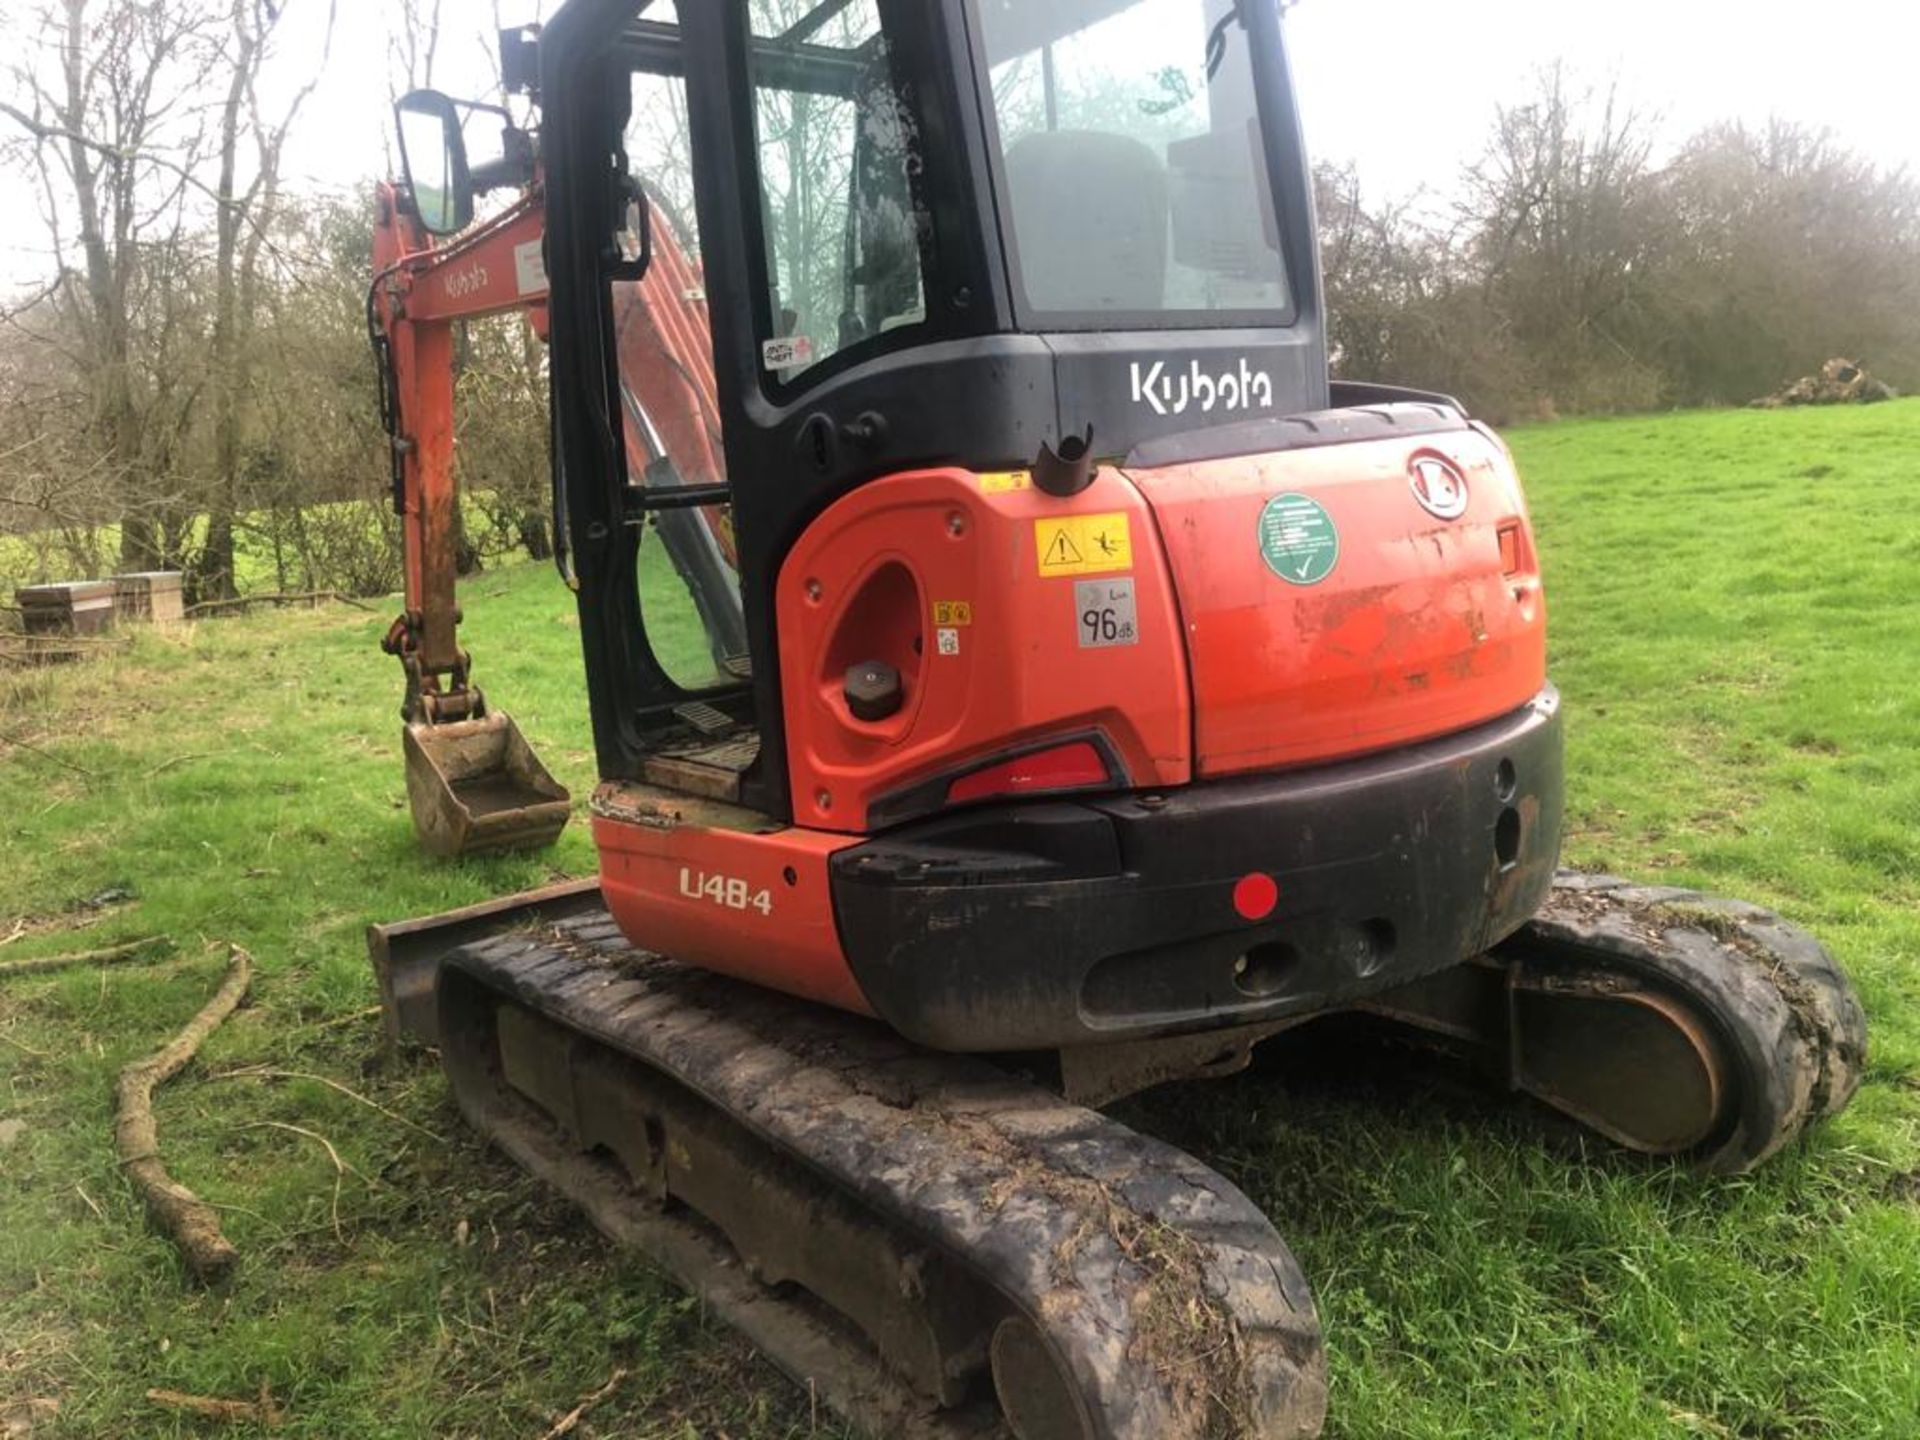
(1131, 159)
(838, 161)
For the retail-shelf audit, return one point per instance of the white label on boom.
(529, 268)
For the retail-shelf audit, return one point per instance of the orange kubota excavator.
(1097, 691)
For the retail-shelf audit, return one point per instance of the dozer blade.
(407, 954)
(1670, 1022)
(931, 1245)
(476, 785)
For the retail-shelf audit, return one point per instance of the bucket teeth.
(991, 1241)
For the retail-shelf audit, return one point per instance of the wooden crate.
(148, 597)
(73, 607)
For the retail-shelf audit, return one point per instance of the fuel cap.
(873, 690)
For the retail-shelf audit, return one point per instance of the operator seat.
(1090, 221)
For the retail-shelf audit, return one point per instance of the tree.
(1786, 250)
(110, 134)
(1564, 229)
(241, 218)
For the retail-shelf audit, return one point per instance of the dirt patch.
(1839, 382)
(1814, 745)
(77, 916)
(18, 1418)
(1184, 1335)
(1717, 923)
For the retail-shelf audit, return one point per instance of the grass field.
(1734, 611)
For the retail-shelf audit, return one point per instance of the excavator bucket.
(476, 786)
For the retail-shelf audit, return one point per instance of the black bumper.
(1048, 923)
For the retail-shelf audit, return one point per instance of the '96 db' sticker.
(1106, 613)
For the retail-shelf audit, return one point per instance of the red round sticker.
(1255, 895)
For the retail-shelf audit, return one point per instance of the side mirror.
(433, 153)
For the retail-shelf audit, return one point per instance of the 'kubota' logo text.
(1171, 392)
(462, 283)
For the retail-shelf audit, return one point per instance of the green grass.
(1734, 616)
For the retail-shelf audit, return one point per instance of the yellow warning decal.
(953, 612)
(999, 482)
(1083, 544)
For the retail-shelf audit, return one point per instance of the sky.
(1405, 89)
(1408, 88)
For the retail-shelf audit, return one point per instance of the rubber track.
(1793, 1026)
(1174, 1304)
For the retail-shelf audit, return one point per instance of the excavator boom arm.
(419, 291)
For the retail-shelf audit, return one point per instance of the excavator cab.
(962, 234)
(1077, 225)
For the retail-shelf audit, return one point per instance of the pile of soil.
(1840, 382)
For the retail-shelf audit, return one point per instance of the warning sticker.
(953, 612)
(1298, 539)
(1083, 544)
(1000, 482)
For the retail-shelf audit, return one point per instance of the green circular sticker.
(1297, 539)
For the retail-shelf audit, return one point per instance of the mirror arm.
(645, 262)
(627, 190)
(514, 169)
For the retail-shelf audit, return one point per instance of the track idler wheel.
(1036, 1394)
(1671, 1022)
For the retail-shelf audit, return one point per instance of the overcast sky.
(1404, 88)
(1407, 88)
